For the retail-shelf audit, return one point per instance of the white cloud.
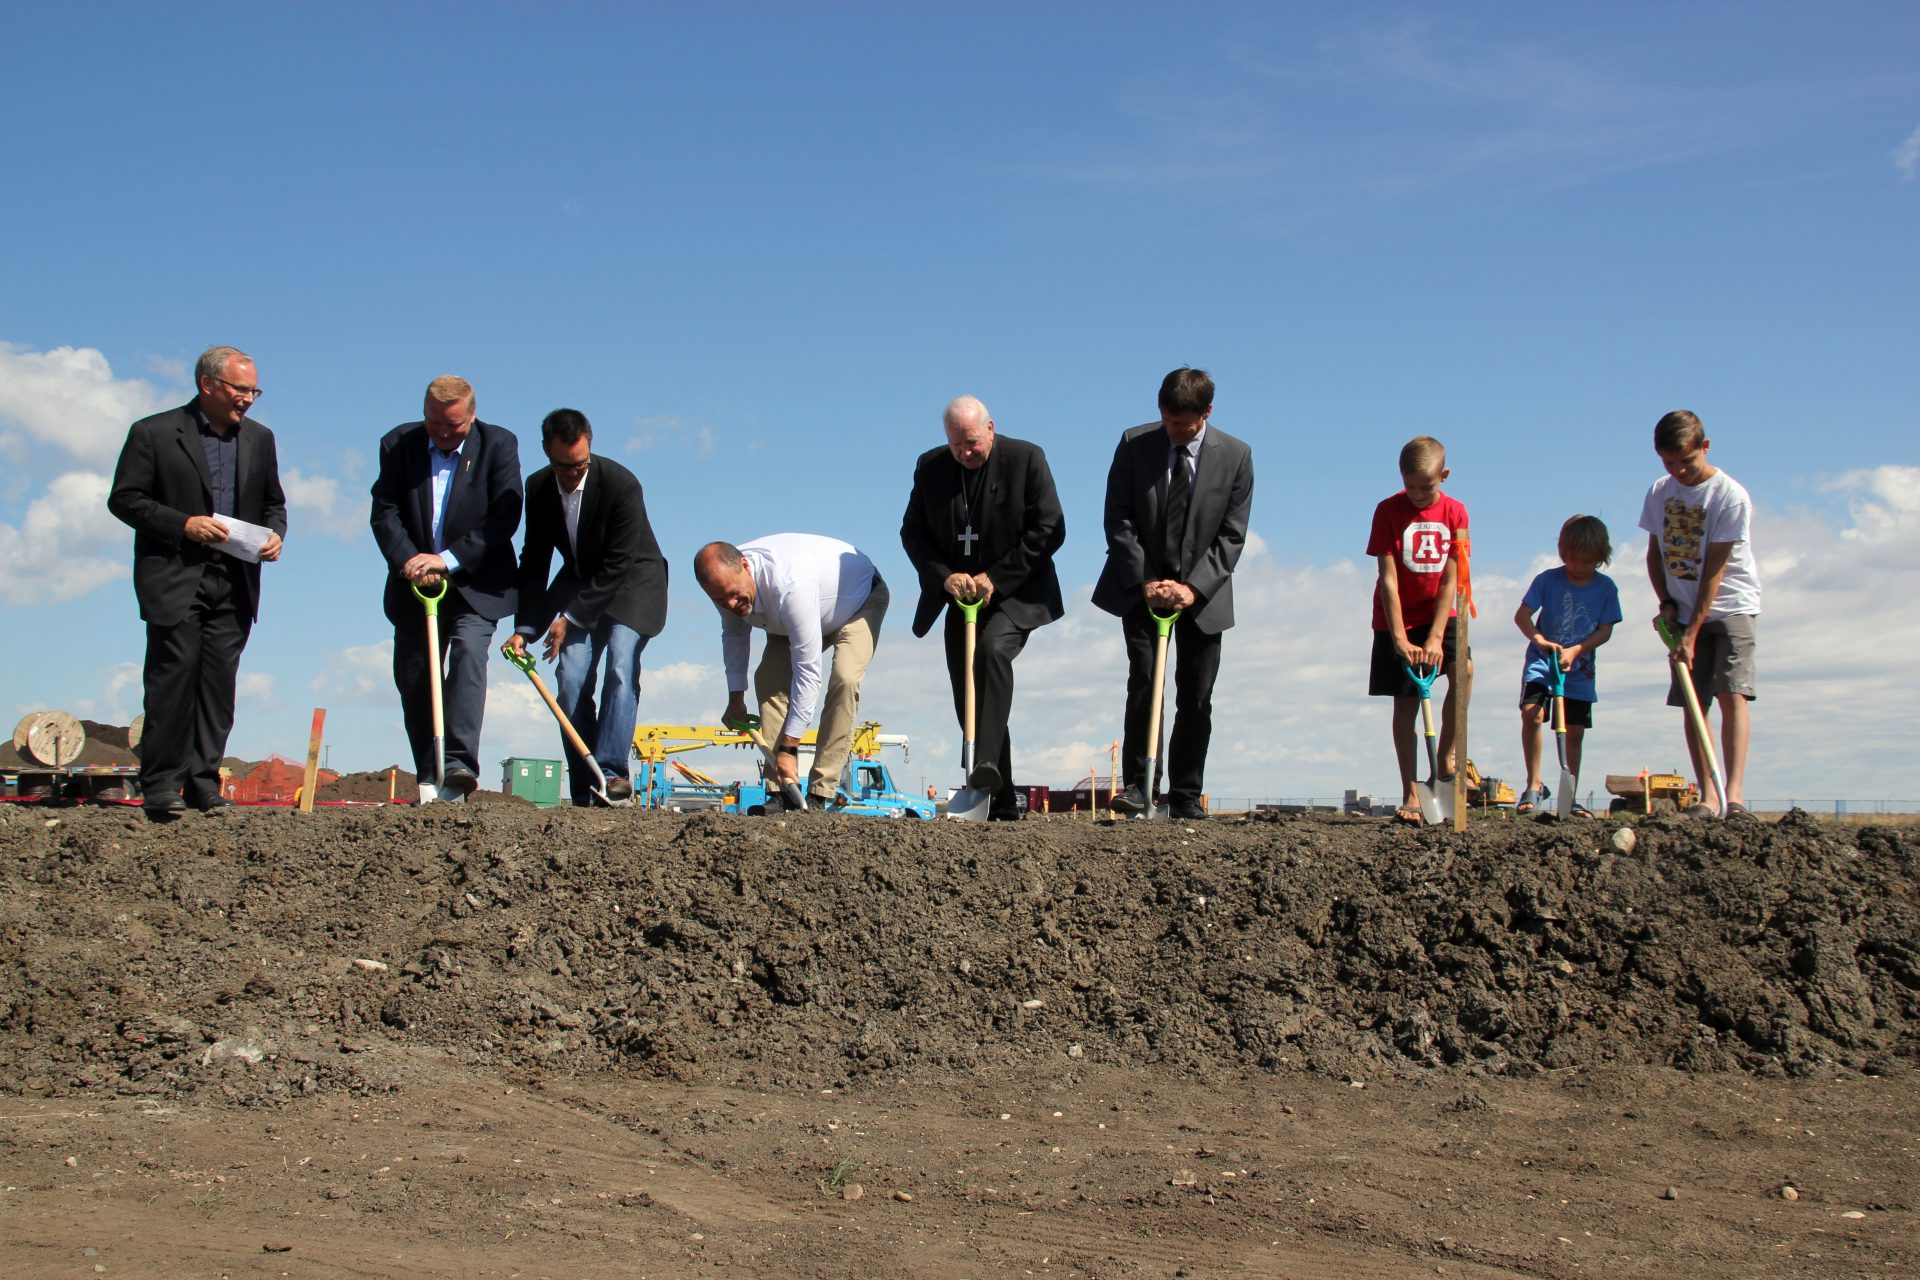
(1906, 157)
(316, 500)
(119, 697)
(68, 397)
(257, 687)
(360, 674)
(65, 546)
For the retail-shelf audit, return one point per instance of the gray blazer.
(1216, 523)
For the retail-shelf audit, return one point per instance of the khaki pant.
(852, 647)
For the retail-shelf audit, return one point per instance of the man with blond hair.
(446, 504)
(184, 477)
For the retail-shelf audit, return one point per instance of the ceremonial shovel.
(1436, 802)
(1563, 807)
(1163, 627)
(432, 603)
(791, 793)
(1695, 716)
(970, 803)
(524, 661)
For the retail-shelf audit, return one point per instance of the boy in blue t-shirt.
(1567, 613)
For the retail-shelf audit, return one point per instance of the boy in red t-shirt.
(1413, 533)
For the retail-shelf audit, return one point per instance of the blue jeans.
(607, 729)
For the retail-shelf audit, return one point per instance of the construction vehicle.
(867, 789)
(1649, 792)
(1483, 792)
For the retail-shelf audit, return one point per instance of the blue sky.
(762, 245)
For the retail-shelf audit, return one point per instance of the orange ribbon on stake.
(1463, 583)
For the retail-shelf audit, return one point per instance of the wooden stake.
(1461, 664)
(313, 759)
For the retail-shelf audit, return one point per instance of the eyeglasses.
(250, 393)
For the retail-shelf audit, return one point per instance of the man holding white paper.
(200, 486)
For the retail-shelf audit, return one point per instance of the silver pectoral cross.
(969, 538)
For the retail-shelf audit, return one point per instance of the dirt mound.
(374, 785)
(260, 952)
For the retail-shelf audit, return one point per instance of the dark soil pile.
(375, 785)
(259, 951)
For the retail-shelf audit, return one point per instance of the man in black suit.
(446, 503)
(1178, 495)
(184, 477)
(982, 523)
(609, 597)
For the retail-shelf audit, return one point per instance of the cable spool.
(53, 738)
(136, 731)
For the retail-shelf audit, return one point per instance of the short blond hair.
(1588, 536)
(450, 389)
(1421, 456)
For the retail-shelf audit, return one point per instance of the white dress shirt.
(805, 587)
(443, 466)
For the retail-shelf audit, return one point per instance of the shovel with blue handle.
(1436, 801)
(1563, 805)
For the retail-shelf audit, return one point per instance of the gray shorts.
(1723, 661)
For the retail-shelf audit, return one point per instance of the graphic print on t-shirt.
(1574, 624)
(1685, 526)
(1425, 545)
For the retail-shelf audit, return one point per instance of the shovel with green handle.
(432, 604)
(1162, 628)
(524, 661)
(1695, 716)
(972, 802)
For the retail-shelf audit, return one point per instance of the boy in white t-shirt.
(1700, 559)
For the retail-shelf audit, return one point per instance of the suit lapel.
(190, 444)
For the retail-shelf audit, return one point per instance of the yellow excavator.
(868, 787)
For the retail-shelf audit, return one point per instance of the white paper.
(243, 540)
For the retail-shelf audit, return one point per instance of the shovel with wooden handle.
(1695, 716)
(792, 794)
(1563, 803)
(1162, 628)
(1436, 801)
(524, 661)
(432, 605)
(972, 802)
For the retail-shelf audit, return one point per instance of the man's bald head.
(969, 431)
(722, 573)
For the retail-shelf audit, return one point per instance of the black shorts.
(1386, 678)
(1579, 710)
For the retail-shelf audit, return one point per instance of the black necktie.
(1178, 485)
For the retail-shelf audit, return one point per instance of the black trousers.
(466, 641)
(997, 642)
(1193, 660)
(191, 671)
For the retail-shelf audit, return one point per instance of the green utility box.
(535, 780)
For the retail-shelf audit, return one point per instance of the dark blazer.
(161, 479)
(1216, 523)
(616, 571)
(483, 511)
(1020, 526)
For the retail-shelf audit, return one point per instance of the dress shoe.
(163, 808)
(1010, 813)
(1183, 812)
(459, 785)
(213, 804)
(619, 789)
(985, 777)
(1131, 801)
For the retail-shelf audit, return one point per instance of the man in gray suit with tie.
(1178, 497)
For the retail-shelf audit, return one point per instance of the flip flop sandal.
(1531, 798)
(1411, 817)
(1582, 812)
(1738, 810)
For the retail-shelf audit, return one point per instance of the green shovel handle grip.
(969, 609)
(522, 660)
(432, 602)
(1163, 622)
(1666, 633)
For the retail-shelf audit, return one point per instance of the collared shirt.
(1192, 449)
(444, 466)
(223, 463)
(805, 587)
(570, 508)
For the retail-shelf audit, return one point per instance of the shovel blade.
(1429, 804)
(970, 804)
(1563, 798)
